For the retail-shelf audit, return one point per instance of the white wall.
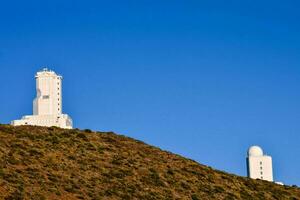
(260, 167)
(49, 94)
(62, 121)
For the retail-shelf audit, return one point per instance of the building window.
(261, 173)
(260, 163)
(262, 177)
(260, 168)
(46, 97)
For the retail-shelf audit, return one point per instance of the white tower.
(259, 166)
(49, 98)
(47, 106)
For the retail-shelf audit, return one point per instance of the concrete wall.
(48, 100)
(260, 167)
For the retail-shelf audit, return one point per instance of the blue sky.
(204, 79)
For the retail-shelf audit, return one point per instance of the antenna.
(45, 69)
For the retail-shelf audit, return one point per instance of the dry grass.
(52, 163)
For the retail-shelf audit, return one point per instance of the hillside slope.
(53, 163)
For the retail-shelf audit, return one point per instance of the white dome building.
(255, 151)
(259, 166)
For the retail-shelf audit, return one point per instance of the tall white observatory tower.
(47, 106)
(259, 166)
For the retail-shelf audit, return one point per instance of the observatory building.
(259, 166)
(47, 106)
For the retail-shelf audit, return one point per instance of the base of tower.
(62, 121)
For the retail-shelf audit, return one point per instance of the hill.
(53, 163)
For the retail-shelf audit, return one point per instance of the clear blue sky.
(204, 79)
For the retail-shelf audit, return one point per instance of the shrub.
(194, 197)
(155, 178)
(82, 136)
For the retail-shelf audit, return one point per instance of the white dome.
(255, 151)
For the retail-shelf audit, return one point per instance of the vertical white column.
(48, 99)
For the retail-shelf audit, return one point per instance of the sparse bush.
(2, 172)
(101, 149)
(245, 195)
(13, 160)
(35, 152)
(88, 130)
(218, 189)
(53, 140)
(52, 128)
(184, 185)
(155, 178)
(230, 197)
(16, 195)
(170, 171)
(194, 197)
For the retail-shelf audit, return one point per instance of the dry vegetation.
(52, 163)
